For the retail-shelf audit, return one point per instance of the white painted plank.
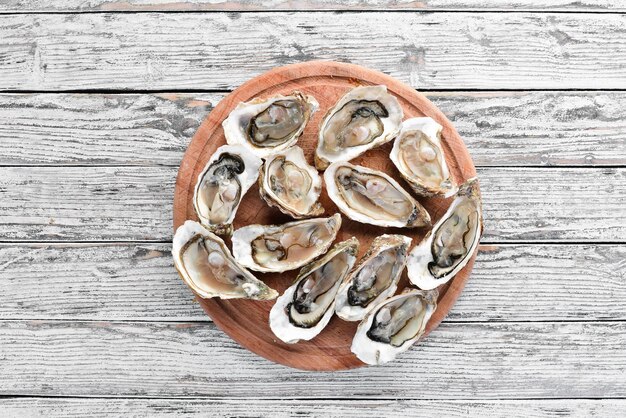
(517, 282)
(93, 203)
(221, 50)
(457, 361)
(554, 204)
(499, 128)
(26, 6)
(545, 283)
(539, 128)
(329, 408)
(134, 203)
(117, 129)
(93, 282)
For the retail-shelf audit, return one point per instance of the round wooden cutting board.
(247, 321)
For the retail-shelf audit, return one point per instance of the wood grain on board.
(29, 6)
(134, 204)
(330, 408)
(426, 50)
(137, 282)
(499, 128)
(518, 360)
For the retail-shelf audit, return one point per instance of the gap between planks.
(208, 321)
(76, 242)
(310, 6)
(429, 90)
(326, 11)
(100, 165)
(301, 398)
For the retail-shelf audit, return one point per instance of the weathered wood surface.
(29, 6)
(509, 282)
(539, 128)
(86, 203)
(499, 128)
(253, 408)
(456, 361)
(86, 129)
(220, 51)
(135, 203)
(565, 290)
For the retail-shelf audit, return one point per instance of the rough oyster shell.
(269, 125)
(447, 248)
(288, 182)
(305, 308)
(284, 247)
(364, 118)
(228, 175)
(374, 279)
(393, 326)
(205, 264)
(420, 158)
(372, 197)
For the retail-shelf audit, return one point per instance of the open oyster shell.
(288, 182)
(305, 308)
(269, 125)
(372, 197)
(363, 118)
(228, 175)
(205, 264)
(447, 248)
(284, 247)
(393, 326)
(420, 158)
(374, 279)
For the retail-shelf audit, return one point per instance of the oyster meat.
(205, 264)
(372, 197)
(374, 279)
(363, 118)
(305, 308)
(420, 158)
(266, 126)
(393, 326)
(448, 247)
(288, 182)
(228, 175)
(284, 247)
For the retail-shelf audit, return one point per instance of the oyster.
(307, 305)
(228, 175)
(288, 182)
(372, 197)
(205, 264)
(284, 247)
(363, 118)
(393, 326)
(266, 126)
(374, 279)
(420, 159)
(449, 246)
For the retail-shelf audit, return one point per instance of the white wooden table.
(99, 101)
